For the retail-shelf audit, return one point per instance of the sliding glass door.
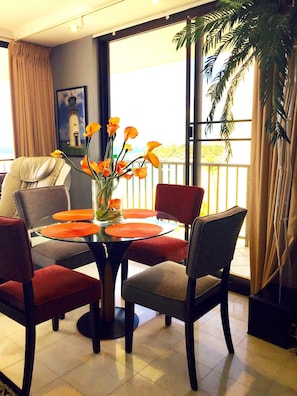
(163, 93)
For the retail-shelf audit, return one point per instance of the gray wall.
(75, 64)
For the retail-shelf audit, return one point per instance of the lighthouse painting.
(71, 115)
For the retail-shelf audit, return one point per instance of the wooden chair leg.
(129, 319)
(124, 271)
(29, 358)
(189, 333)
(55, 324)
(226, 324)
(95, 326)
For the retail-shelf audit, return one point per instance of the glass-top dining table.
(109, 243)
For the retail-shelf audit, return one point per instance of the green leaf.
(264, 31)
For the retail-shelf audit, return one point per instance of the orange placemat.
(133, 230)
(138, 213)
(74, 214)
(70, 230)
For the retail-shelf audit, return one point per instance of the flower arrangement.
(106, 174)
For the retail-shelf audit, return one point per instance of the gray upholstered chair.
(35, 203)
(31, 172)
(188, 292)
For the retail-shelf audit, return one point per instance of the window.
(147, 88)
(6, 130)
(144, 92)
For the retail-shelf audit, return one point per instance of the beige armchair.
(31, 172)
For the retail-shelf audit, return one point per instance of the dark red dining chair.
(182, 202)
(32, 297)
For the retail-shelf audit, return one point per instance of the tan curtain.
(32, 99)
(273, 194)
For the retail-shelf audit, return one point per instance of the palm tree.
(264, 31)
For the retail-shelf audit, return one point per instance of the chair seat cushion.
(68, 254)
(156, 250)
(56, 290)
(163, 288)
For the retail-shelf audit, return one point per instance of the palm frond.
(261, 30)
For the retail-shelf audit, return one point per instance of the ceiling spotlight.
(155, 1)
(76, 24)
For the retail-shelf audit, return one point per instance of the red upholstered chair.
(32, 297)
(182, 202)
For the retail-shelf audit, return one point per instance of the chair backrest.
(31, 172)
(15, 253)
(36, 203)
(182, 202)
(213, 241)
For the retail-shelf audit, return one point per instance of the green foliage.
(264, 31)
(171, 152)
(209, 152)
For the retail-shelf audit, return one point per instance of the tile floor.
(66, 366)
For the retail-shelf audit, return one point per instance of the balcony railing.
(225, 185)
(5, 165)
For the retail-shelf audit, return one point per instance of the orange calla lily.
(106, 174)
(57, 154)
(120, 166)
(127, 176)
(140, 172)
(104, 167)
(128, 147)
(85, 166)
(153, 159)
(113, 126)
(150, 156)
(114, 120)
(152, 145)
(91, 129)
(130, 133)
(114, 204)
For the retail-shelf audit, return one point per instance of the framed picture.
(72, 120)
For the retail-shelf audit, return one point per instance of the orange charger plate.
(70, 230)
(74, 214)
(133, 230)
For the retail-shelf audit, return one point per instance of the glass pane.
(6, 134)
(148, 88)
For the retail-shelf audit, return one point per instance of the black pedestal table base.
(108, 330)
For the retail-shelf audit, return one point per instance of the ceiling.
(48, 23)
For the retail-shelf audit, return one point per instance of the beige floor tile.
(66, 366)
(100, 375)
(139, 385)
(58, 387)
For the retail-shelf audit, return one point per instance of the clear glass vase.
(106, 205)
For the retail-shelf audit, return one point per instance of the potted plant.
(263, 32)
